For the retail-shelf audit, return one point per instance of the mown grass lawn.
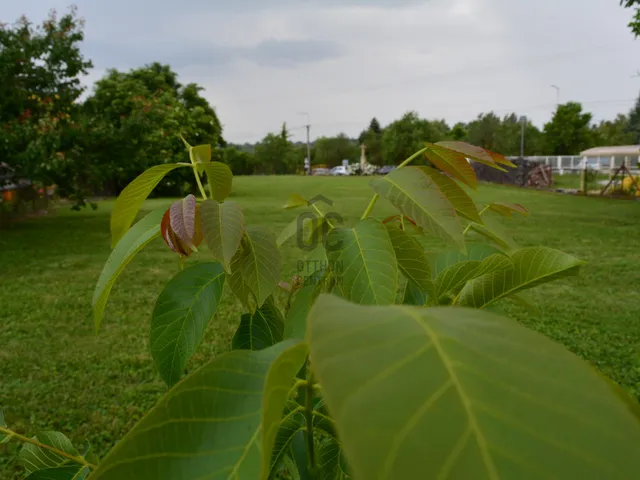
(55, 374)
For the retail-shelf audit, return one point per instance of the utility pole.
(523, 120)
(308, 160)
(557, 94)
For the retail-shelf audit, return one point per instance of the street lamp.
(557, 94)
(308, 125)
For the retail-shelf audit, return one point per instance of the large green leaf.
(34, 458)
(452, 162)
(460, 199)
(130, 200)
(411, 257)
(220, 178)
(68, 472)
(292, 422)
(276, 393)
(531, 267)
(200, 156)
(259, 330)
(418, 197)
(448, 258)
(133, 241)
(223, 227)
(331, 461)
(181, 315)
(255, 269)
(365, 263)
(414, 295)
(460, 393)
(207, 426)
(455, 277)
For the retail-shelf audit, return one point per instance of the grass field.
(55, 374)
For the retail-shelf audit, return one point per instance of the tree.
(408, 134)
(634, 25)
(40, 70)
(275, 154)
(616, 132)
(634, 121)
(460, 132)
(240, 162)
(135, 119)
(568, 132)
(332, 150)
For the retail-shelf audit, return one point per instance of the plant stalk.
(373, 201)
(22, 438)
(202, 192)
(480, 214)
(308, 413)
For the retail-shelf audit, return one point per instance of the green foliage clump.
(383, 363)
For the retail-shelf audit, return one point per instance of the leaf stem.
(308, 413)
(373, 201)
(479, 214)
(319, 212)
(202, 192)
(38, 444)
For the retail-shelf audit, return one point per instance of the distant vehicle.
(339, 171)
(386, 169)
(320, 171)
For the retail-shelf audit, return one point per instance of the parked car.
(339, 171)
(386, 169)
(320, 171)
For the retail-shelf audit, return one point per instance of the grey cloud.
(269, 53)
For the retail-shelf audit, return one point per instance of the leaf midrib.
(448, 365)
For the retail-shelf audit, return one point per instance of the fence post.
(560, 169)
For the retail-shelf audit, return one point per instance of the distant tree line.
(131, 121)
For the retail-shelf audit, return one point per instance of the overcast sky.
(346, 61)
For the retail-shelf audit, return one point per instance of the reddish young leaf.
(452, 162)
(169, 236)
(183, 219)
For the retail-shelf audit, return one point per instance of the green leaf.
(411, 258)
(460, 393)
(181, 315)
(460, 200)
(68, 472)
(531, 267)
(200, 155)
(220, 178)
(366, 267)
(35, 458)
(453, 163)
(413, 295)
(417, 196)
(331, 461)
(496, 232)
(300, 455)
(223, 227)
(208, 425)
(295, 325)
(255, 269)
(276, 393)
(455, 276)
(448, 258)
(133, 241)
(259, 330)
(507, 209)
(130, 200)
(292, 422)
(295, 200)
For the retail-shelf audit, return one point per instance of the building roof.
(612, 151)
